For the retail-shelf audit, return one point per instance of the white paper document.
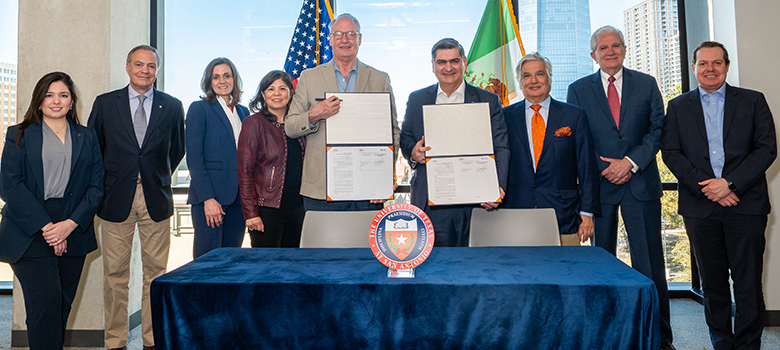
(363, 119)
(359, 173)
(457, 129)
(460, 165)
(462, 180)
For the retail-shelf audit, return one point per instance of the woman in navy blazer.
(50, 202)
(212, 128)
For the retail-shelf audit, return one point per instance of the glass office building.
(559, 30)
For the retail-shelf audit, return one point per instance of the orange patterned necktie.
(537, 130)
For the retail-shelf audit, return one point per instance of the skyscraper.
(8, 108)
(559, 30)
(653, 42)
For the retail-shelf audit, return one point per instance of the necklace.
(61, 130)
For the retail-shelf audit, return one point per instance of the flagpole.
(317, 33)
(504, 50)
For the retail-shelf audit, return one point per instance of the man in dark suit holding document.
(451, 222)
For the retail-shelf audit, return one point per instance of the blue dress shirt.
(712, 104)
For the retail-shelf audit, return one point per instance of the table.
(476, 298)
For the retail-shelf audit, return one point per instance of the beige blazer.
(313, 84)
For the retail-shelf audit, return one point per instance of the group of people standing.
(57, 174)
(594, 157)
(588, 159)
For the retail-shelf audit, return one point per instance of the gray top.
(56, 162)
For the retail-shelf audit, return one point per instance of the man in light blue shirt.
(309, 112)
(719, 140)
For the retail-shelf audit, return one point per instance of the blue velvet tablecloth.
(461, 298)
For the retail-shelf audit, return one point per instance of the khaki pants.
(117, 245)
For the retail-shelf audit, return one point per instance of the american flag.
(309, 46)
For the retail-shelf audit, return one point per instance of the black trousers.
(727, 243)
(49, 286)
(451, 223)
(282, 228)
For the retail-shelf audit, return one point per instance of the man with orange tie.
(553, 164)
(626, 114)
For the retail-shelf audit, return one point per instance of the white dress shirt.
(456, 97)
(235, 120)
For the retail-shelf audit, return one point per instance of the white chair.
(336, 229)
(513, 227)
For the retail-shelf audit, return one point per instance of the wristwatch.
(732, 187)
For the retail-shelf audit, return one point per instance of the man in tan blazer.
(308, 112)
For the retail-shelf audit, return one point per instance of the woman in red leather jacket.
(270, 165)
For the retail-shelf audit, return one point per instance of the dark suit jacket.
(749, 142)
(412, 131)
(641, 120)
(161, 153)
(566, 178)
(23, 190)
(211, 153)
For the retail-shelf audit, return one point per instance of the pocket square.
(564, 131)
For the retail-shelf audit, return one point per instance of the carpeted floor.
(690, 330)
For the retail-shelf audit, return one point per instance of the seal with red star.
(401, 236)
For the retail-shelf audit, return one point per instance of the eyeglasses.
(339, 35)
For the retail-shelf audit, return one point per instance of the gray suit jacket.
(313, 84)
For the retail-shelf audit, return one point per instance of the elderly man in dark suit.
(719, 141)
(626, 113)
(141, 134)
(451, 222)
(553, 163)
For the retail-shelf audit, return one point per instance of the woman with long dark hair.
(52, 184)
(270, 165)
(213, 127)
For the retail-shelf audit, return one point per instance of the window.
(9, 18)
(653, 58)
(397, 39)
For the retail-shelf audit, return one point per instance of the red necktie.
(537, 131)
(614, 101)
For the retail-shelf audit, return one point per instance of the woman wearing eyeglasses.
(213, 125)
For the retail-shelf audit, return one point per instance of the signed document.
(359, 139)
(460, 166)
(359, 173)
(457, 129)
(363, 119)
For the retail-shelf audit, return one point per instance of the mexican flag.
(495, 51)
